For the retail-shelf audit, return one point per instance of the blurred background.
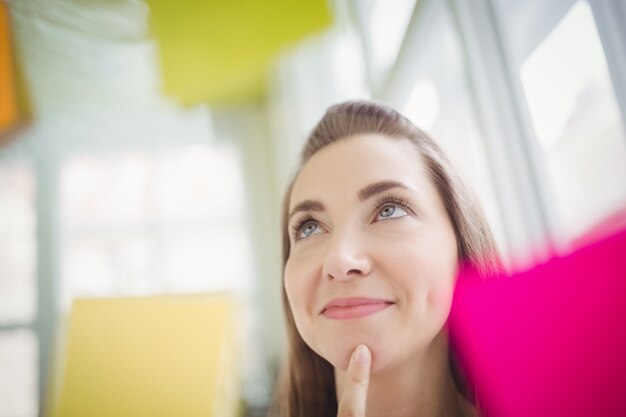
(145, 145)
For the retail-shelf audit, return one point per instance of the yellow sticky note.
(152, 357)
(219, 51)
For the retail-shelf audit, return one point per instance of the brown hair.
(307, 387)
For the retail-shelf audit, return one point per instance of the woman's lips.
(351, 308)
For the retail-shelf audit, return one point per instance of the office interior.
(145, 146)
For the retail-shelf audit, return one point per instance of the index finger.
(354, 396)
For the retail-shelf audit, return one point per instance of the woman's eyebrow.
(379, 187)
(307, 205)
(363, 194)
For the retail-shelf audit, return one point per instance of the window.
(573, 111)
(141, 223)
(18, 343)
(18, 373)
(439, 102)
(386, 23)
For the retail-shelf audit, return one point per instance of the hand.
(354, 396)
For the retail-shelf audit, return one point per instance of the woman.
(376, 224)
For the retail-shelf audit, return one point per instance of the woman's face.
(373, 255)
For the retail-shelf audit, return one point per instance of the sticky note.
(154, 356)
(549, 341)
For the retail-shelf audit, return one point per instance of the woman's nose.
(346, 258)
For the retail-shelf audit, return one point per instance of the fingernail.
(362, 355)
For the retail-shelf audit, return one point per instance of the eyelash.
(389, 199)
(300, 223)
(380, 203)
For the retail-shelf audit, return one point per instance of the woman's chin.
(339, 355)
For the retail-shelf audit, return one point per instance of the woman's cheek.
(291, 289)
(299, 291)
(440, 298)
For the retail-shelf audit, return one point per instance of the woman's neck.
(424, 387)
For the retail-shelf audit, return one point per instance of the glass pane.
(577, 121)
(18, 374)
(108, 264)
(525, 24)
(166, 221)
(388, 21)
(17, 281)
(178, 261)
(440, 103)
(17, 244)
(216, 261)
(104, 190)
(198, 183)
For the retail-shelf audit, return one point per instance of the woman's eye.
(308, 229)
(391, 211)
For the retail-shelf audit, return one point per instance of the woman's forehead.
(342, 169)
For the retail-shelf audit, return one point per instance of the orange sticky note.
(8, 98)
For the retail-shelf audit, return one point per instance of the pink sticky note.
(548, 342)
